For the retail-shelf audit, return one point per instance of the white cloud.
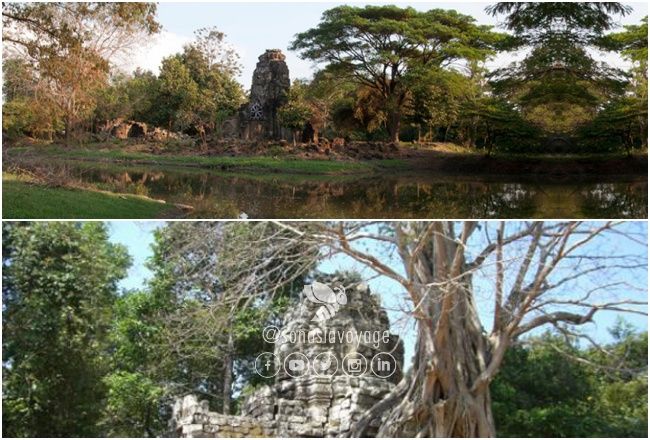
(150, 55)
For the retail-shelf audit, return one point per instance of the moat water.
(215, 194)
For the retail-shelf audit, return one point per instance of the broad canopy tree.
(380, 46)
(559, 85)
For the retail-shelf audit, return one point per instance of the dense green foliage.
(295, 113)
(544, 390)
(193, 92)
(59, 286)
(384, 48)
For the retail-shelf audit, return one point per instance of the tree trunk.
(67, 126)
(440, 396)
(227, 376)
(394, 122)
(204, 138)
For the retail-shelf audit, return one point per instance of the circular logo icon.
(270, 334)
(354, 364)
(267, 364)
(325, 365)
(296, 365)
(383, 365)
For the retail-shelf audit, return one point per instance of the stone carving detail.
(256, 112)
(310, 405)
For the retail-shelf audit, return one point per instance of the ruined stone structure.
(330, 394)
(258, 118)
(122, 129)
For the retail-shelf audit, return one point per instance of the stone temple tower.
(268, 93)
(334, 358)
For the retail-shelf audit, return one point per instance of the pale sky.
(253, 27)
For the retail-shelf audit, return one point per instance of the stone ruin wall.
(121, 129)
(311, 405)
(193, 419)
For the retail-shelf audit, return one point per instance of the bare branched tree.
(539, 272)
(215, 270)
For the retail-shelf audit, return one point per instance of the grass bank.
(224, 163)
(23, 199)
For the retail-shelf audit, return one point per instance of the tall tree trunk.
(227, 375)
(439, 398)
(394, 123)
(67, 126)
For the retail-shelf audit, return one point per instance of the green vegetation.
(261, 163)
(546, 389)
(59, 286)
(165, 336)
(381, 49)
(63, 65)
(21, 199)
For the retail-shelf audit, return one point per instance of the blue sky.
(138, 238)
(254, 27)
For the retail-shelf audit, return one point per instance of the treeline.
(82, 358)
(389, 73)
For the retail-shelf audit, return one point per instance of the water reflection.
(226, 195)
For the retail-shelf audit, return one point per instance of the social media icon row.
(325, 364)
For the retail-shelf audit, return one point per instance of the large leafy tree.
(178, 93)
(378, 47)
(197, 87)
(135, 391)
(559, 85)
(59, 283)
(213, 66)
(70, 47)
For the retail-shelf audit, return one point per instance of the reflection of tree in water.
(616, 200)
(367, 198)
(291, 196)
